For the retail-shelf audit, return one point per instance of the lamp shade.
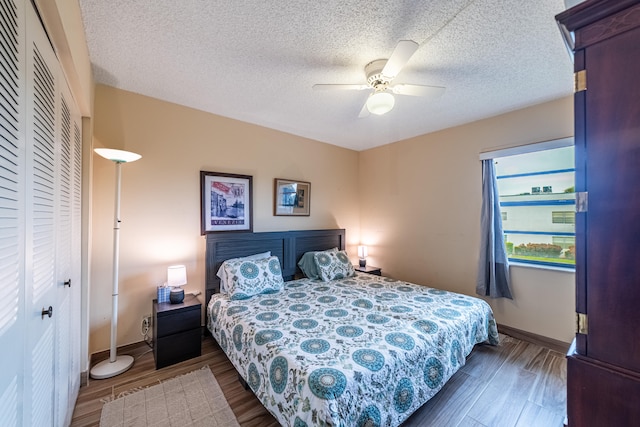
(176, 275)
(380, 103)
(362, 251)
(118, 156)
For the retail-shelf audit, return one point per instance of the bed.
(361, 350)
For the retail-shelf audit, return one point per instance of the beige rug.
(193, 399)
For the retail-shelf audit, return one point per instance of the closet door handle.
(67, 283)
(48, 312)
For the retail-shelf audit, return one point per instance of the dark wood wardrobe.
(603, 364)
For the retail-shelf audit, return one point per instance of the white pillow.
(223, 275)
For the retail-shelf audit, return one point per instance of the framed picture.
(291, 198)
(226, 202)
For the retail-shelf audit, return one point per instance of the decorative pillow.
(223, 277)
(308, 264)
(333, 265)
(246, 278)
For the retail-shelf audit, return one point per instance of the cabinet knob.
(67, 283)
(46, 312)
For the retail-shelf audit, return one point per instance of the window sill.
(543, 267)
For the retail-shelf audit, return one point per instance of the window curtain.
(493, 269)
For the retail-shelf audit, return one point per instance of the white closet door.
(63, 255)
(40, 226)
(68, 257)
(12, 210)
(76, 261)
(42, 88)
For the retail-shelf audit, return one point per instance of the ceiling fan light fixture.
(380, 103)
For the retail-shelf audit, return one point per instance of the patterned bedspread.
(366, 350)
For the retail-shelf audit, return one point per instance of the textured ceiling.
(256, 61)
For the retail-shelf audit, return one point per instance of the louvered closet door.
(12, 210)
(40, 226)
(76, 241)
(42, 194)
(63, 258)
(75, 327)
(67, 350)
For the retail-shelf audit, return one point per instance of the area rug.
(193, 399)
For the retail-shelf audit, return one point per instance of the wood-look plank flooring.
(514, 384)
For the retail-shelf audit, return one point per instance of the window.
(563, 217)
(537, 195)
(504, 215)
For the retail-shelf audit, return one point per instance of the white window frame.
(524, 149)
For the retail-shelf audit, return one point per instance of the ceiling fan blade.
(401, 54)
(418, 90)
(364, 112)
(340, 87)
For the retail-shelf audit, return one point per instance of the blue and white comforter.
(366, 350)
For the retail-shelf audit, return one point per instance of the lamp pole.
(115, 365)
(116, 266)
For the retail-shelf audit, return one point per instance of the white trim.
(528, 148)
(571, 269)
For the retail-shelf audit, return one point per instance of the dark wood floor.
(515, 384)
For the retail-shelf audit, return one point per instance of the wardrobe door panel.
(603, 370)
(613, 156)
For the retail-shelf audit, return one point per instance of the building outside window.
(537, 196)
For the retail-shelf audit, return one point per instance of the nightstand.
(177, 334)
(369, 269)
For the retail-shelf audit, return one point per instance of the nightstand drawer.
(173, 323)
(178, 347)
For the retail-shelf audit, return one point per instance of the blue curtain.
(493, 269)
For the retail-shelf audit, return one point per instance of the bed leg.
(243, 383)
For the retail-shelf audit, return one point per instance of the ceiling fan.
(380, 74)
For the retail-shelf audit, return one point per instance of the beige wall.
(420, 214)
(416, 203)
(161, 195)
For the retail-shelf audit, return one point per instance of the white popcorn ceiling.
(256, 61)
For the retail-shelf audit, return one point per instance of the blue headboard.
(288, 246)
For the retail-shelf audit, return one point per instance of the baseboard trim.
(84, 379)
(553, 344)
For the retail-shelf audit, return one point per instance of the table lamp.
(176, 277)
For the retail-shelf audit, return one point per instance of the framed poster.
(291, 198)
(226, 202)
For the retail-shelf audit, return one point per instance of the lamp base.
(363, 263)
(176, 296)
(108, 369)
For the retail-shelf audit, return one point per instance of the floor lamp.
(115, 364)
